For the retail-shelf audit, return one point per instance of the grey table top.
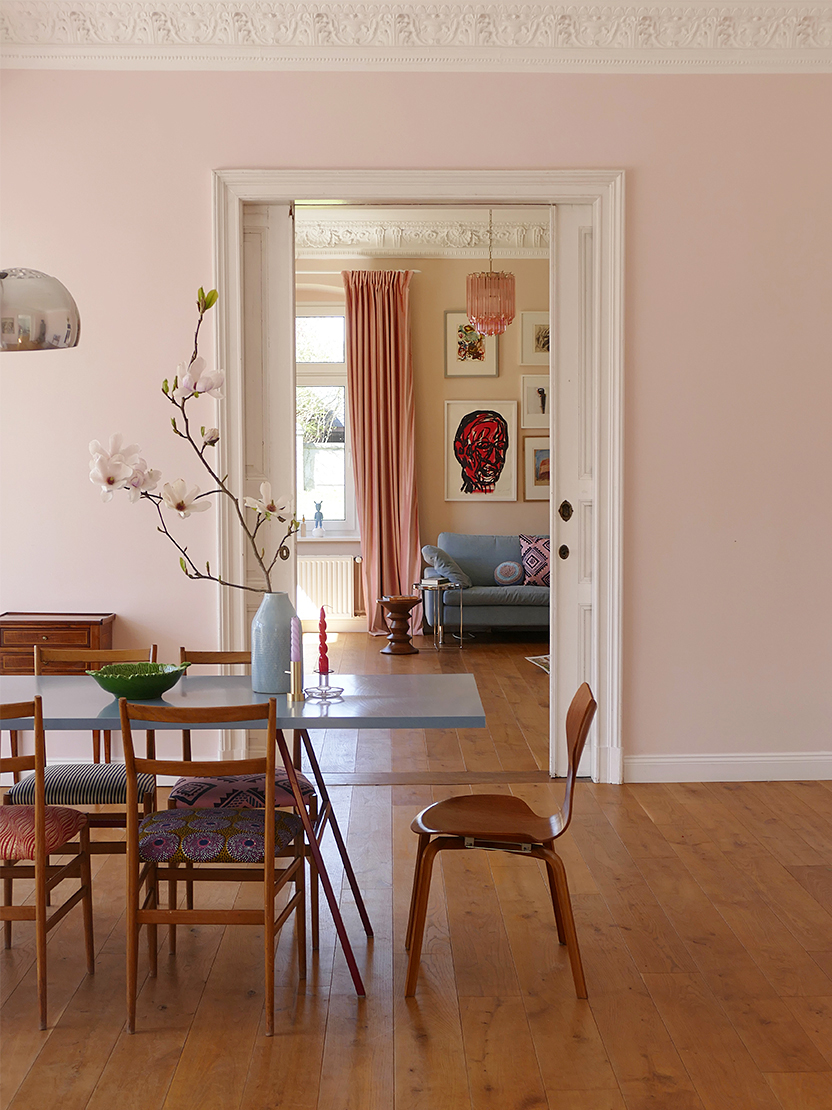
(368, 701)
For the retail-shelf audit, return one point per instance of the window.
(324, 463)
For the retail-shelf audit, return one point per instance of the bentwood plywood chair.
(505, 823)
(33, 832)
(223, 845)
(91, 784)
(240, 791)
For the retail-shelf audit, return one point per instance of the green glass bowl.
(138, 681)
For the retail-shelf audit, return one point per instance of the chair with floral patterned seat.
(223, 845)
(34, 832)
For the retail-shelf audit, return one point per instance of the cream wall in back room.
(437, 287)
(440, 287)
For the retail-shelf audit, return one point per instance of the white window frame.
(332, 373)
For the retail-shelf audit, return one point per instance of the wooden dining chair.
(504, 823)
(91, 784)
(34, 832)
(223, 846)
(90, 659)
(241, 791)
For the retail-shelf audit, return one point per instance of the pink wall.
(728, 537)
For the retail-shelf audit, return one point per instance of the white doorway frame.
(604, 191)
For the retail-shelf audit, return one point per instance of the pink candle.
(295, 655)
(323, 659)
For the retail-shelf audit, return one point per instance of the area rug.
(541, 661)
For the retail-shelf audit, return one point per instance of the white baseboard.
(729, 767)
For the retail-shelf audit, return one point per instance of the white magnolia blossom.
(211, 437)
(181, 500)
(210, 383)
(142, 479)
(196, 379)
(109, 472)
(128, 454)
(268, 505)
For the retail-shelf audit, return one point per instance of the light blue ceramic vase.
(271, 635)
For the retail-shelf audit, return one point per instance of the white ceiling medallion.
(673, 36)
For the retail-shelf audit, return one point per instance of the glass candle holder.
(323, 691)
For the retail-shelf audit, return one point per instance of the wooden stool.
(398, 609)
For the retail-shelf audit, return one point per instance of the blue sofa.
(484, 603)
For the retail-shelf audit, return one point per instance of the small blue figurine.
(319, 516)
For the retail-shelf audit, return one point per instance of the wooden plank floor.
(704, 913)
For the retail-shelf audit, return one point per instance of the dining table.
(388, 701)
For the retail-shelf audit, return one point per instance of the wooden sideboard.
(19, 632)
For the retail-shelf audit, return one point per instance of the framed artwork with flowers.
(468, 354)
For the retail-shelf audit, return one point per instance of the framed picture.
(536, 455)
(534, 343)
(467, 353)
(534, 401)
(480, 451)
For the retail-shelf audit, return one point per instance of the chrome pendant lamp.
(490, 296)
(37, 312)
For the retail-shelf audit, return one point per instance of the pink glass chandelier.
(490, 296)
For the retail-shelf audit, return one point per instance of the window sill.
(329, 538)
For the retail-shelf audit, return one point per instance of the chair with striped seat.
(90, 784)
(34, 832)
(239, 791)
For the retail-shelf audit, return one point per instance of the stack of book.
(436, 582)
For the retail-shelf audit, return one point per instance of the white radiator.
(326, 580)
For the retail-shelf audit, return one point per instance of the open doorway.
(600, 192)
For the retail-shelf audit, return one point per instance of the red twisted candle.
(323, 659)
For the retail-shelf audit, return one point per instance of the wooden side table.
(398, 611)
(19, 632)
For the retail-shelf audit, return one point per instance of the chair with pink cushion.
(34, 832)
(239, 791)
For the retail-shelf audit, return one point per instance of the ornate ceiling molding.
(434, 238)
(674, 36)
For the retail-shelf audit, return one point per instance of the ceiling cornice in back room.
(669, 37)
(351, 232)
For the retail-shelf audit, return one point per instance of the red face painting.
(480, 445)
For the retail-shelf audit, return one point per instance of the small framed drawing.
(534, 401)
(467, 353)
(536, 457)
(480, 451)
(534, 343)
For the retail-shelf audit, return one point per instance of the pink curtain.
(380, 377)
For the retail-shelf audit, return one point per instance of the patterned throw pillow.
(508, 574)
(534, 551)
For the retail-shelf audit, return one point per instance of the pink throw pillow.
(534, 551)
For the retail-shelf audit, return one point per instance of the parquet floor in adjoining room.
(704, 914)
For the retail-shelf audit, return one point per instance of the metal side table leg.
(323, 874)
(327, 808)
